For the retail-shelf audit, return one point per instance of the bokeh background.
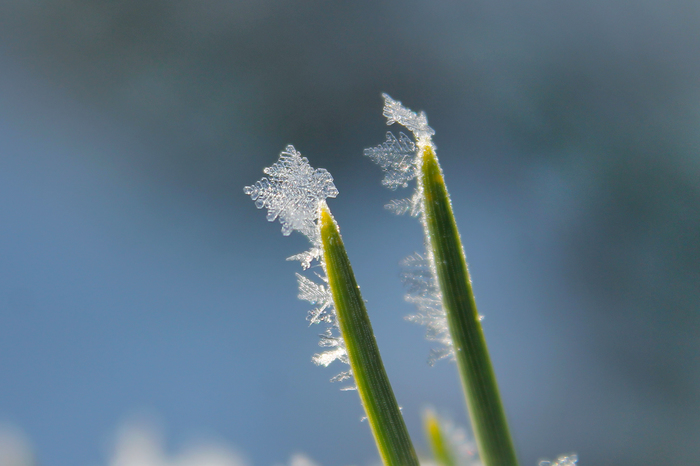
(138, 281)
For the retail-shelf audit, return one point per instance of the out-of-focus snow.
(141, 445)
(14, 448)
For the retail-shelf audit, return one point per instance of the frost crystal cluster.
(417, 123)
(395, 157)
(294, 192)
(400, 159)
(423, 291)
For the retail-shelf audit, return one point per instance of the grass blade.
(437, 440)
(478, 379)
(383, 414)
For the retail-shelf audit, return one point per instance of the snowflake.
(293, 193)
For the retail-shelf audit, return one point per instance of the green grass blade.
(478, 379)
(436, 438)
(383, 414)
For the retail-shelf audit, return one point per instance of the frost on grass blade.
(400, 161)
(564, 460)
(399, 157)
(293, 192)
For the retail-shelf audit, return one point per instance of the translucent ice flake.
(564, 460)
(417, 123)
(318, 295)
(412, 206)
(307, 257)
(327, 357)
(293, 193)
(397, 159)
(337, 352)
(423, 291)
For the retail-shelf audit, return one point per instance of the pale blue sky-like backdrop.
(136, 277)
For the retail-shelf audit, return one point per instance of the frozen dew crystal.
(338, 352)
(293, 193)
(307, 257)
(417, 123)
(423, 291)
(398, 206)
(397, 158)
(412, 205)
(327, 357)
(318, 295)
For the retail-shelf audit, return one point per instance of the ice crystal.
(564, 460)
(411, 206)
(417, 123)
(423, 291)
(338, 352)
(318, 295)
(293, 192)
(307, 257)
(396, 157)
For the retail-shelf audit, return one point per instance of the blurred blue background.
(135, 275)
